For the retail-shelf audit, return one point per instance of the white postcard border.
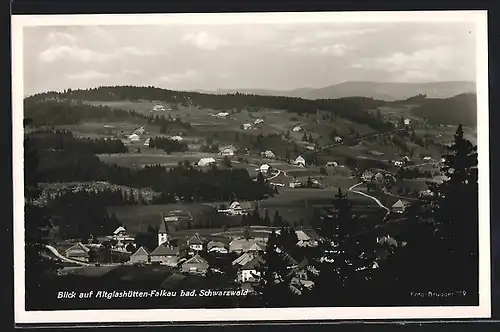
(261, 314)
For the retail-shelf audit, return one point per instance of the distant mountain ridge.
(388, 91)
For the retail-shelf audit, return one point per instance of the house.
(398, 163)
(366, 176)
(425, 194)
(378, 177)
(337, 139)
(297, 129)
(269, 154)
(246, 126)
(332, 164)
(300, 161)
(140, 256)
(406, 122)
(195, 264)
(243, 245)
(165, 254)
(216, 247)
(443, 160)
(227, 152)
(147, 141)
(78, 252)
(176, 138)
(206, 162)
(120, 231)
(406, 159)
(400, 206)
(222, 114)
(140, 131)
(258, 121)
(295, 184)
(250, 271)
(134, 138)
(241, 207)
(195, 243)
(426, 158)
(158, 108)
(264, 168)
(243, 259)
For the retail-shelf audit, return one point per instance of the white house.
(400, 206)
(406, 122)
(398, 163)
(269, 154)
(426, 158)
(249, 272)
(176, 138)
(195, 242)
(134, 137)
(227, 152)
(206, 162)
(295, 184)
(147, 141)
(158, 108)
(264, 168)
(246, 126)
(297, 129)
(222, 114)
(332, 164)
(300, 161)
(258, 121)
(337, 139)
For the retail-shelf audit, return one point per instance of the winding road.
(65, 259)
(351, 189)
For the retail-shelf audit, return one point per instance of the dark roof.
(253, 264)
(195, 239)
(197, 259)
(141, 252)
(163, 225)
(163, 250)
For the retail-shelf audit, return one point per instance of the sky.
(277, 56)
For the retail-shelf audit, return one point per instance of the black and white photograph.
(251, 166)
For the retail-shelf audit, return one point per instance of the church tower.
(163, 232)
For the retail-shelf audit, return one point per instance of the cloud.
(88, 75)
(324, 34)
(178, 77)
(55, 37)
(204, 40)
(426, 59)
(335, 50)
(75, 53)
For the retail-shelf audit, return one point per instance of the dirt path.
(65, 259)
(351, 189)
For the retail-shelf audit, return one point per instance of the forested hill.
(461, 109)
(351, 108)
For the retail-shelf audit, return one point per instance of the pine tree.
(455, 211)
(344, 256)
(277, 220)
(267, 220)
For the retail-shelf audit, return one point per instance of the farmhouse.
(300, 161)
(165, 254)
(426, 158)
(425, 194)
(134, 138)
(216, 247)
(140, 131)
(337, 139)
(400, 206)
(295, 184)
(249, 272)
(246, 126)
(227, 152)
(147, 141)
(243, 245)
(203, 162)
(195, 243)
(305, 240)
(120, 231)
(268, 154)
(241, 207)
(243, 259)
(378, 177)
(176, 138)
(195, 264)
(398, 163)
(78, 252)
(222, 114)
(158, 108)
(406, 122)
(297, 129)
(264, 168)
(140, 256)
(332, 164)
(258, 121)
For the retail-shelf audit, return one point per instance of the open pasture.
(158, 157)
